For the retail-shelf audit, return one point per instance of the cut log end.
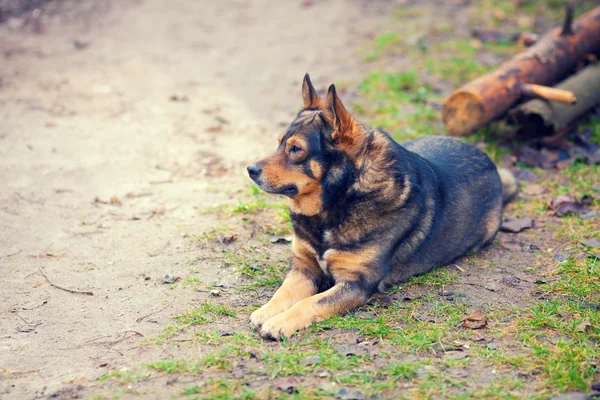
(463, 113)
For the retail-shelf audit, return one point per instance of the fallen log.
(549, 61)
(546, 118)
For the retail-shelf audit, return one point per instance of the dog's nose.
(254, 171)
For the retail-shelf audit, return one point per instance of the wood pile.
(560, 73)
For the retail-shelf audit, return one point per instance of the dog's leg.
(295, 287)
(301, 282)
(338, 300)
(356, 275)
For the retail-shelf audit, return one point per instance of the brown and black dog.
(368, 212)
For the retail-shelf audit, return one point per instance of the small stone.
(349, 394)
(560, 257)
(590, 215)
(590, 242)
(216, 292)
(584, 325)
(516, 225)
(455, 355)
(310, 360)
(281, 239)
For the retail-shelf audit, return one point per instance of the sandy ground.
(109, 147)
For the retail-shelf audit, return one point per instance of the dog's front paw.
(263, 314)
(285, 324)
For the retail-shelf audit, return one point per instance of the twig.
(28, 323)
(161, 182)
(5, 371)
(89, 293)
(459, 268)
(140, 319)
(13, 254)
(548, 93)
(568, 23)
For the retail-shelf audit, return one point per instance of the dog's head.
(313, 150)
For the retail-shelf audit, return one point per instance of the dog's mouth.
(255, 173)
(290, 190)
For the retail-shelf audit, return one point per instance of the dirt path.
(107, 153)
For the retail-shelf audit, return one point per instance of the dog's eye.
(295, 149)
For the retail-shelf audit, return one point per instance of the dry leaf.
(475, 320)
(584, 325)
(516, 225)
(534, 189)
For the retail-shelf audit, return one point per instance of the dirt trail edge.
(116, 128)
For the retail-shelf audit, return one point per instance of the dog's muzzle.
(254, 171)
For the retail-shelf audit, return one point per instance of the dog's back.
(464, 204)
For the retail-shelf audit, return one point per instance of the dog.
(368, 212)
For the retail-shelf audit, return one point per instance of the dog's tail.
(509, 184)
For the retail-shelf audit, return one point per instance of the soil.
(158, 106)
(120, 121)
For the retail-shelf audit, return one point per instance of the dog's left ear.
(309, 94)
(337, 117)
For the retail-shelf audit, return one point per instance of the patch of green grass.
(205, 313)
(579, 278)
(399, 103)
(503, 388)
(381, 43)
(170, 366)
(191, 390)
(438, 277)
(261, 270)
(456, 68)
(125, 375)
(557, 337)
(370, 326)
(568, 361)
(403, 370)
(288, 361)
(221, 389)
(213, 232)
(168, 332)
(257, 200)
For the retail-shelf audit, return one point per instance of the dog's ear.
(309, 94)
(337, 117)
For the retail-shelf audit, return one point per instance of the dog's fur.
(368, 212)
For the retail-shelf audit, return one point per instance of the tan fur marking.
(308, 199)
(315, 168)
(280, 138)
(350, 139)
(303, 253)
(307, 204)
(349, 265)
(295, 141)
(492, 223)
